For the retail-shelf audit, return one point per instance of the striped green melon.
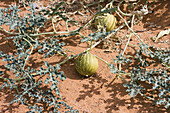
(107, 20)
(86, 64)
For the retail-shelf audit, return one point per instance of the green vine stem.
(102, 60)
(32, 47)
(120, 64)
(130, 28)
(52, 20)
(125, 14)
(8, 31)
(129, 35)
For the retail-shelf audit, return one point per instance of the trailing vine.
(28, 38)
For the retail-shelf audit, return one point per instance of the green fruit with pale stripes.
(86, 64)
(107, 20)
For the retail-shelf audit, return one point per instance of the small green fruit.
(86, 64)
(107, 20)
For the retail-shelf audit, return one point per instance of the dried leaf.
(161, 34)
